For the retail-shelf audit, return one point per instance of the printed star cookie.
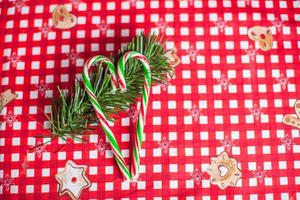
(6, 97)
(263, 36)
(224, 171)
(72, 180)
(62, 19)
(293, 120)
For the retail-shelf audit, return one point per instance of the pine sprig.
(72, 112)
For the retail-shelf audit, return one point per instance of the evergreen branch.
(72, 112)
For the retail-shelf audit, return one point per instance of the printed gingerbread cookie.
(173, 59)
(224, 171)
(263, 36)
(62, 19)
(6, 97)
(293, 120)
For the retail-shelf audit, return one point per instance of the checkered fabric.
(227, 95)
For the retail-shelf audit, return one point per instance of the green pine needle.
(72, 112)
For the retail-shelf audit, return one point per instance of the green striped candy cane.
(138, 137)
(99, 112)
(142, 114)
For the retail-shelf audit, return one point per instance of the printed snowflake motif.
(260, 174)
(197, 176)
(45, 29)
(164, 144)
(19, 4)
(42, 86)
(7, 182)
(162, 25)
(283, 81)
(134, 181)
(192, 52)
(256, 111)
(102, 146)
(39, 149)
(75, 3)
(164, 85)
(10, 118)
(195, 113)
(133, 114)
(103, 27)
(24, 165)
(73, 55)
(278, 24)
(227, 143)
(252, 52)
(288, 142)
(224, 81)
(221, 24)
(14, 59)
(132, 3)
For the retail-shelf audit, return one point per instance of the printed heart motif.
(120, 73)
(263, 36)
(62, 19)
(223, 170)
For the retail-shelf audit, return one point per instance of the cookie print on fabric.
(293, 120)
(6, 97)
(224, 171)
(261, 35)
(62, 19)
(72, 180)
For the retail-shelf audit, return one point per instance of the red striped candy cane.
(138, 137)
(103, 121)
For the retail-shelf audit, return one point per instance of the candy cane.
(138, 137)
(108, 132)
(142, 114)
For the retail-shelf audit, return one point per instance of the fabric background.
(207, 108)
